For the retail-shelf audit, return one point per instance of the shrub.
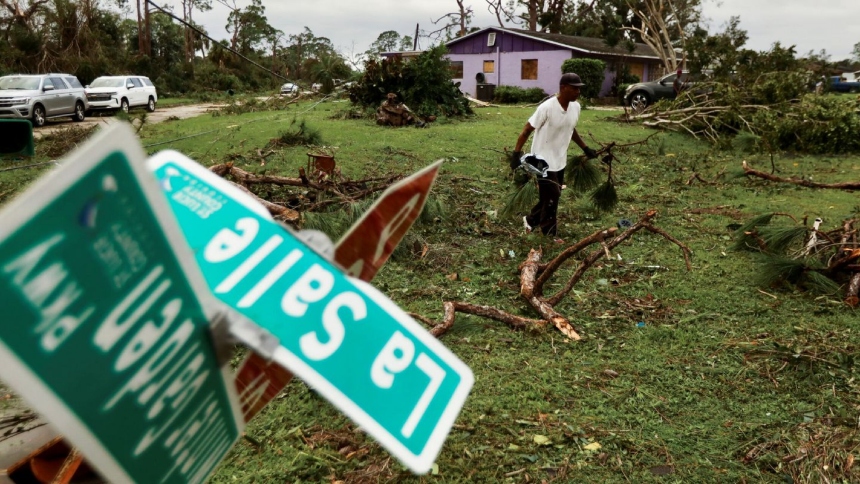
(591, 71)
(424, 84)
(514, 94)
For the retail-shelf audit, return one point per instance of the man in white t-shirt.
(554, 124)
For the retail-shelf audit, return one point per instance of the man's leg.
(550, 193)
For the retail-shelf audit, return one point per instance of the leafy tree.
(303, 51)
(720, 53)
(250, 28)
(591, 71)
(423, 83)
(328, 67)
(386, 42)
(856, 52)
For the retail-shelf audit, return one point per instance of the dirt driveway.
(160, 114)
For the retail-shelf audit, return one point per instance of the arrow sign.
(366, 247)
(342, 336)
(106, 322)
(368, 244)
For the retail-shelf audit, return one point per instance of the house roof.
(589, 45)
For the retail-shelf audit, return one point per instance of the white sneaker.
(526, 225)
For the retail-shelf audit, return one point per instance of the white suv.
(42, 96)
(121, 92)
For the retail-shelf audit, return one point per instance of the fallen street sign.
(340, 335)
(106, 321)
(365, 248)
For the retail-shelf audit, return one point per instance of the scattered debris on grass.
(534, 275)
(805, 257)
(312, 195)
(799, 181)
(64, 140)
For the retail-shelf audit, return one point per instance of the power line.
(183, 22)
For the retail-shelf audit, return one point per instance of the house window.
(529, 69)
(489, 67)
(491, 39)
(456, 69)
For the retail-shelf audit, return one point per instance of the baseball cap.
(571, 79)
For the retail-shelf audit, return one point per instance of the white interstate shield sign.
(337, 333)
(106, 322)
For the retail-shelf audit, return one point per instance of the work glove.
(589, 153)
(515, 159)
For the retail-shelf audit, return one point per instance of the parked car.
(838, 84)
(289, 89)
(121, 92)
(643, 94)
(42, 96)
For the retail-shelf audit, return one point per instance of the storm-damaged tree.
(454, 24)
(250, 27)
(192, 38)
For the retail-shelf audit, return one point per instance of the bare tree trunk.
(140, 34)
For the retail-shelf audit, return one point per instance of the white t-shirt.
(553, 128)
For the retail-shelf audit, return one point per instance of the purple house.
(523, 58)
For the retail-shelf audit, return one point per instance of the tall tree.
(191, 37)
(454, 24)
(250, 27)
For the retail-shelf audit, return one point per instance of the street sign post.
(106, 321)
(364, 248)
(343, 337)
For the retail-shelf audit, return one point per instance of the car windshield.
(19, 83)
(107, 82)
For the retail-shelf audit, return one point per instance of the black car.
(643, 94)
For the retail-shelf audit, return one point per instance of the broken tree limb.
(534, 274)
(799, 181)
(453, 307)
(279, 212)
(852, 295)
(644, 222)
(247, 178)
(552, 266)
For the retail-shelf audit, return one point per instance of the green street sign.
(102, 331)
(339, 334)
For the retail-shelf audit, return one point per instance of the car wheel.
(854, 90)
(639, 100)
(150, 106)
(38, 115)
(123, 105)
(79, 112)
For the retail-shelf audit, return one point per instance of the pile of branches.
(803, 256)
(535, 275)
(775, 110)
(309, 193)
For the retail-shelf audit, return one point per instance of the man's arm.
(518, 150)
(585, 149)
(524, 136)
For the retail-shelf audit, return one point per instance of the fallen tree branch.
(534, 274)
(452, 307)
(279, 212)
(804, 183)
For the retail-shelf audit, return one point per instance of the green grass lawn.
(699, 376)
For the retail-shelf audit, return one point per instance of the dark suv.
(643, 94)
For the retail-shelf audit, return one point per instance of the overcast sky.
(352, 25)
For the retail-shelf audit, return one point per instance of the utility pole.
(147, 28)
(415, 42)
(140, 34)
